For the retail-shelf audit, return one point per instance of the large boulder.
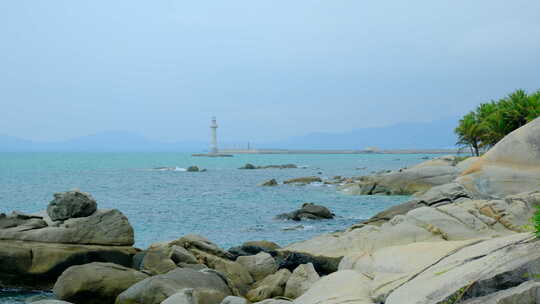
(308, 211)
(157, 261)
(341, 287)
(271, 286)
(37, 265)
(156, 289)
(95, 283)
(259, 266)
(66, 205)
(512, 166)
(302, 278)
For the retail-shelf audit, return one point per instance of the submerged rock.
(193, 169)
(248, 166)
(272, 182)
(304, 180)
(308, 211)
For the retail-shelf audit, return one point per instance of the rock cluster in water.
(308, 211)
(249, 166)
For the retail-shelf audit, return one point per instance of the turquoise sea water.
(224, 204)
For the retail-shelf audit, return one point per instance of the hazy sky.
(266, 69)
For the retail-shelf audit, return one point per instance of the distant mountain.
(432, 135)
(113, 141)
(9, 143)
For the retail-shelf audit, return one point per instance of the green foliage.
(492, 121)
(536, 220)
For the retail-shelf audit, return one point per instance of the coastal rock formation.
(36, 265)
(474, 271)
(156, 289)
(95, 283)
(191, 249)
(71, 204)
(512, 166)
(420, 178)
(461, 220)
(35, 249)
(308, 211)
(303, 180)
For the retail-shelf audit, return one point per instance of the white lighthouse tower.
(213, 129)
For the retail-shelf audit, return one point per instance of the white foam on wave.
(180, 169)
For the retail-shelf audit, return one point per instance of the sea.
(225, 204)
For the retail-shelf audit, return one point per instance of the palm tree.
(469, 133)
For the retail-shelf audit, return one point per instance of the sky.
(267, 69)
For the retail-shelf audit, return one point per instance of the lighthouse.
(213, 130)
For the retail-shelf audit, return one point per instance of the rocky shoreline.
(464, 237)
